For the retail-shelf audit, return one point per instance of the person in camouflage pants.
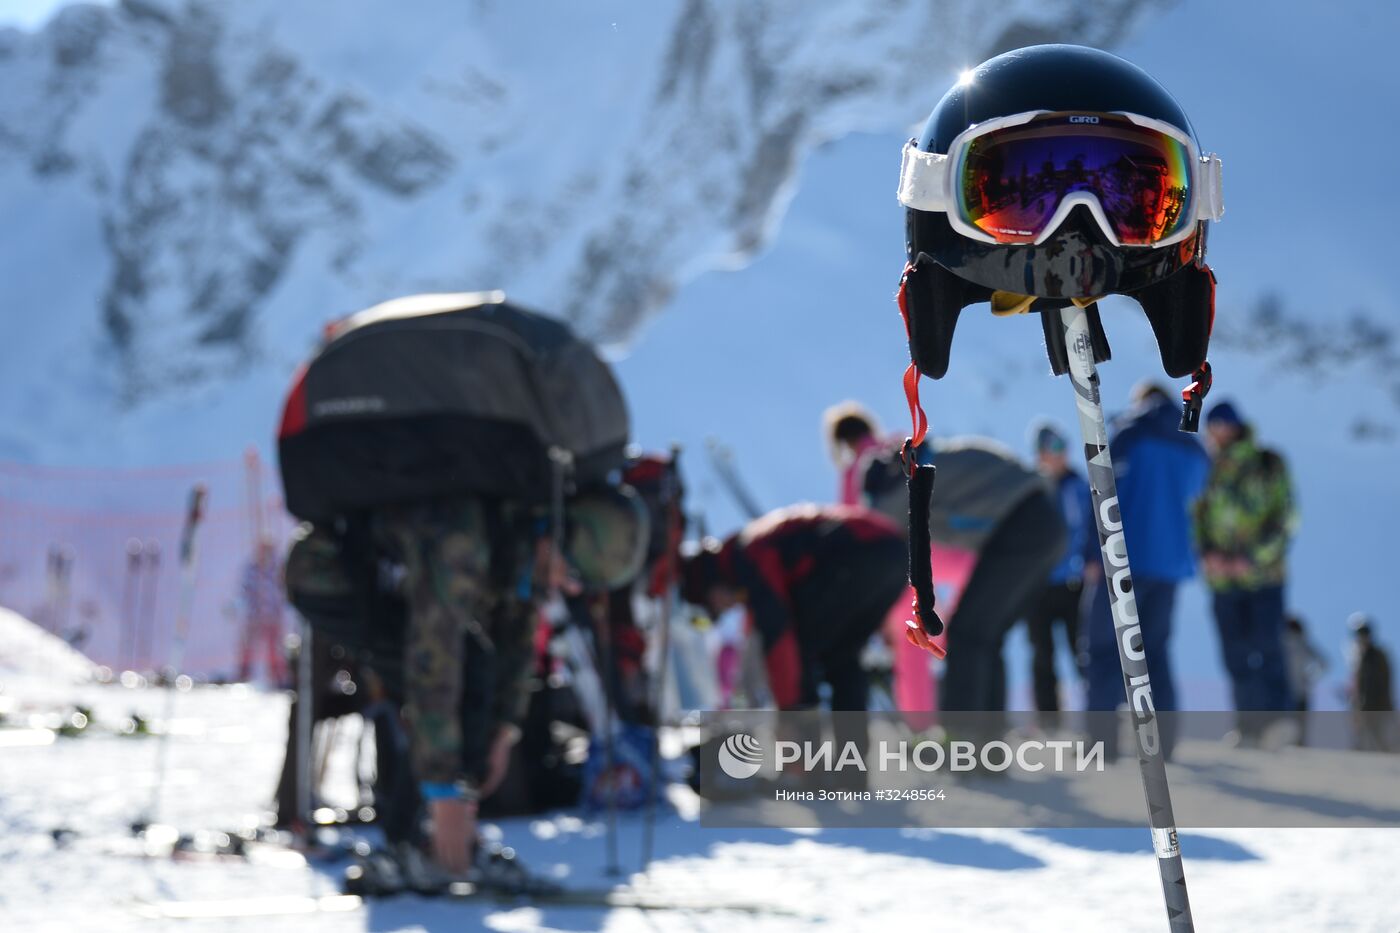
(473, 577)
(1243, 524)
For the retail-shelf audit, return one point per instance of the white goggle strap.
(1210, 188)
(923, 179)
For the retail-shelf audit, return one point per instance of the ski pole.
(64, 567)
(722, 460)
(304, 726)
(253, 469)
(148, 602)
(670, 494)
(607, 668)
(188, 567)
(329, 735)
(129, 591)
(51, 572)
(1131, 654)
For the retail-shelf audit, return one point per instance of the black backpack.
(885, 483)
(344, 588)
(436, 395)
(979, 483)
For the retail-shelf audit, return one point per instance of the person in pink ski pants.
(995, 535)
(263, 599)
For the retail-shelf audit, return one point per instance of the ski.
(259, 846)
(632, 898)
(595, 898)
(70, 722)
(264, 855)
(288, 905)
(367, 880)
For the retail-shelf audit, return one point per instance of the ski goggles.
(1014, 180)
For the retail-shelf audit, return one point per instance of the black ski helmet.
(948, 271)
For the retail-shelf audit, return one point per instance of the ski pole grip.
(920, 562)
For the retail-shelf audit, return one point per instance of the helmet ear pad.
(1181, 310)
(933, 298)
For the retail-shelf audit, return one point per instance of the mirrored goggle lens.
(1011, 181)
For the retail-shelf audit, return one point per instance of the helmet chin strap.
(928, 626)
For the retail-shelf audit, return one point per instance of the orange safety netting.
(93, 556)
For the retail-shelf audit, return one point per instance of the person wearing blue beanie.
(1224, 414)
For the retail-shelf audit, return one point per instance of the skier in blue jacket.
(1160, 472)
(1059, 600)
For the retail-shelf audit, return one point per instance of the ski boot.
(374, 873)
(499, 871)
(421, 875)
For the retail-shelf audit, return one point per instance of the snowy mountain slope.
(196, 187)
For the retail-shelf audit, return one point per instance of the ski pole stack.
(189, 566)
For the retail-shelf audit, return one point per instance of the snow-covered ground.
(225, 750)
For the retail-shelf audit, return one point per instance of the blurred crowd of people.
(1225, 509)
(516, 654)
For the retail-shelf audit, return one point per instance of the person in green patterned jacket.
(1244, 522)
(438, 601)
(475, 572)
